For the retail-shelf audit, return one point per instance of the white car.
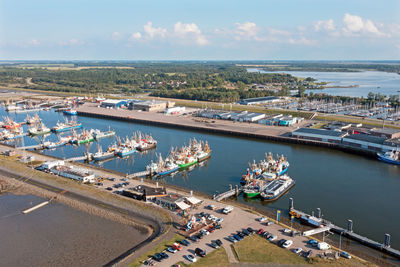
(287, 243)
(220, 220)
(205, 232)
(171, 250)
(272, 237)
(323, 246)
(262, 219)
(297, 250)
(287, 231)
(190, 258)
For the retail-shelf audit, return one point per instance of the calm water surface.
(344, 186)
(368, 81)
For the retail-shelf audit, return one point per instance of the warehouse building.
(388, 133)
(151, 105)
(113, 103)
(319, 135)
(258, 100)
(146, 193)
(369, 142)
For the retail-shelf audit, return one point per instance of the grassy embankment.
(217, 258)
(157, 249)
(255, 249)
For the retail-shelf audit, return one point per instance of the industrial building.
(258, 100)
(146, 193)
(369, 142)
(113, 103)
(151, 105)
(271, 119)
(174, 110)
(388, 133)
(81, 175)
(319, 135)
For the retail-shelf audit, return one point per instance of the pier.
(139, 174)
(230, 193)
(327, 225)
(84, 157)
(37, 147)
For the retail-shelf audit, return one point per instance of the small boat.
(51, 145)
(71, 112)
(392, 157)
(126, 151)
(40, 129)
(32, 120)
(97, 134)
(145, 143)
(277, 188)
(67, 126)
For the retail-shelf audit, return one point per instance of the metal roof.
(319, 131)
(367, 138)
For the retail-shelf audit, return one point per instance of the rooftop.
(367, 138)
(319, 131)
(385, 130)
(258, 99)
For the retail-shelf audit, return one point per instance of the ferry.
(67, 126)
(276, 188)
(71, 112)
(392, 157)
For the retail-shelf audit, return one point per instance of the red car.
(177, 246)
(259, 232)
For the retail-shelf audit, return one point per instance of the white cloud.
(136, 36)
(355, 25)
(34, 42)
(116, 36)
(191, 31)
(152, 32)
(246, 30)
(324, 25)
(73, 41)
(272, 31)
(302, 41)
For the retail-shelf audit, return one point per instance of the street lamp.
(340, 240)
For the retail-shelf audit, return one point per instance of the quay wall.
(233, 132)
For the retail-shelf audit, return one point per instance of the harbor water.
(344, 186)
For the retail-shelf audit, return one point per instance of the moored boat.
(71, 112)
(103, 155)
(392, 157)
(275, 189)
(39, 129)
(83, 138)
(97, 134)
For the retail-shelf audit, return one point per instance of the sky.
(200, 30)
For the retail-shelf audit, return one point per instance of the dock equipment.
(318, 222)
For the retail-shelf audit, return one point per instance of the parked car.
(323, 246)
(210, 229)
(251, 230)
(109, 188)
(232, 239)
(272, 237)
(260, 231)
(205, 232)
(237, 237)
(313, 242)
(171, 250)
(190, 258)
(219, 242)
(217, 226)
(185, 242)
(164, 255)
(177, 246)
(200, 252)
(211, 207)
(199, 236)
(193, 238)
(280, 242)
(262, 219)
(287, 243)
(227, 210)
(308, 254)
(245, 232)
(346, 255)
(157, 257)
(213, 244)
(287, 231)
(269, 223)
(297, 250)
(239, 233)
(220, 220)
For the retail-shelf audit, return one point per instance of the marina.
(225, 154)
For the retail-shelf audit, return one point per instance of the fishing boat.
(204, 153)
(187, 161)
(126, 151)
(392, 157)
(126, 148)
(277, 188)
(162, 167)
(61, 142)
(71, 112)
(12, 107)
(28, 109)
(14, 134)
(169, 167)
(32, 120)
(39, 129)
(66, 126)
(10, 123)
(254, 189)
(83, 138)
(103, 155)
(146, 143)
(97, 134)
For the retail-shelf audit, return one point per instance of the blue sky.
(200, 30)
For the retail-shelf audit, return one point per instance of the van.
(227, 209)
(323, 246)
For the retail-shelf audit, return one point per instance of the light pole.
(340, 240)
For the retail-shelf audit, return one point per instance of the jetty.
(227, 194)
(325, 225)
(84, 157)
(139, 174)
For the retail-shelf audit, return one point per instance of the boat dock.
(84, 157)
(317, 221)
(37, 147)
(230, 193)
(139, 174)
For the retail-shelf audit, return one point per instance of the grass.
(255, 249)
(216, 258)
(157, 249)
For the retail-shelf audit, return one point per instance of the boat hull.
(200, 159)
(40, 133)
(67, 128)
(386, 160)
(56, 145)
(185, 165)
(251, 194)
(125, 154)
(103, 157)
(168, 171)
(141, 149)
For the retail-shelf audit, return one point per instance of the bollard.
(191, 192)
(387, 241)
(350, 225)
(291, 205)
(141, 180)
(236, 190)
(230, 186)
(318, 213)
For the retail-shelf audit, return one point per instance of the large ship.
(392, 157)
(277, 188)
(67, 126)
